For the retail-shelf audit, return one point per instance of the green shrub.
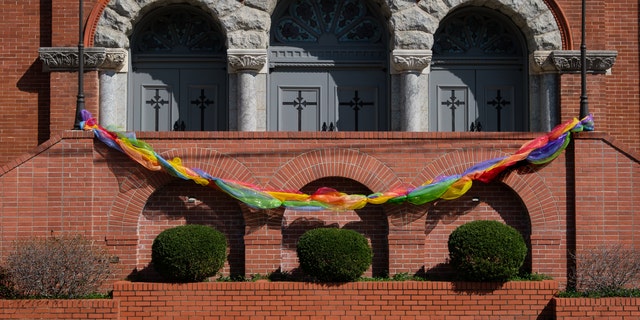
(189, 253)
(334, 255)
(486, 251)
(55, 267)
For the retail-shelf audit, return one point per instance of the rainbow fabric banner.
(537, 151)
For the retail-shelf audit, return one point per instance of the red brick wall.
(601, 218)
(297, 300)
(601, 308)
(361, 300)
(60, 309)
(24, 88)
(75, 184)
(622, 93)
(358, 300)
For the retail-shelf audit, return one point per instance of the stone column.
(113, 90)
(544, 98)
(409, 64)
(246, 63)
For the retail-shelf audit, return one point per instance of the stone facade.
(412, 26)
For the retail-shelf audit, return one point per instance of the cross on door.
(156, 102)
(453, 103)
(498, 102)
(299, 103)
(356, 104)
(202, 102)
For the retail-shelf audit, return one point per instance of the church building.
(360, 96)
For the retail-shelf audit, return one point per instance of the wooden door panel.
(200, 104)
(178, 99)
(452, 104)
(500, 101)
(154, 99)
(299, 108)
(298, 101)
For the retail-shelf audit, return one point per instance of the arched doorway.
(479, 74)
(178, 79)
(328, 67)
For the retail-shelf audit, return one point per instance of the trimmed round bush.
(334, 255)
(189, 253)
(486, 251)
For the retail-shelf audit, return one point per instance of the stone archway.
(178, 76)
(415, 24)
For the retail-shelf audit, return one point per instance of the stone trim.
(568, 61)
(410, 60)
(246, 59)
(66, 58)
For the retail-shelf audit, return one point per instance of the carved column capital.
(246, 59)
(540, 62)
(598, 61)
(66, 58)
(410, 60)
(115, 59)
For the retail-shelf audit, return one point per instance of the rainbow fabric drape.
(538, 151)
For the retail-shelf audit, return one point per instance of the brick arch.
(346, 163)
(526, 183)
(563, 24)
(128, 205)
(92, 22)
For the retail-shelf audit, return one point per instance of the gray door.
(327, 100)
(476, 100)
(177, 99)
(178, 79)
(328, 65)
(155, 107)
(478, 79)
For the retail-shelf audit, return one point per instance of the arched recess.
(523, 187)
(182, 202)
(191, 95)
(540, 25)
(369, 221)
(492, 201)
(348, 171)
(128, 205)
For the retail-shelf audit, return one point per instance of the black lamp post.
(80, 99)
(584, 103)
